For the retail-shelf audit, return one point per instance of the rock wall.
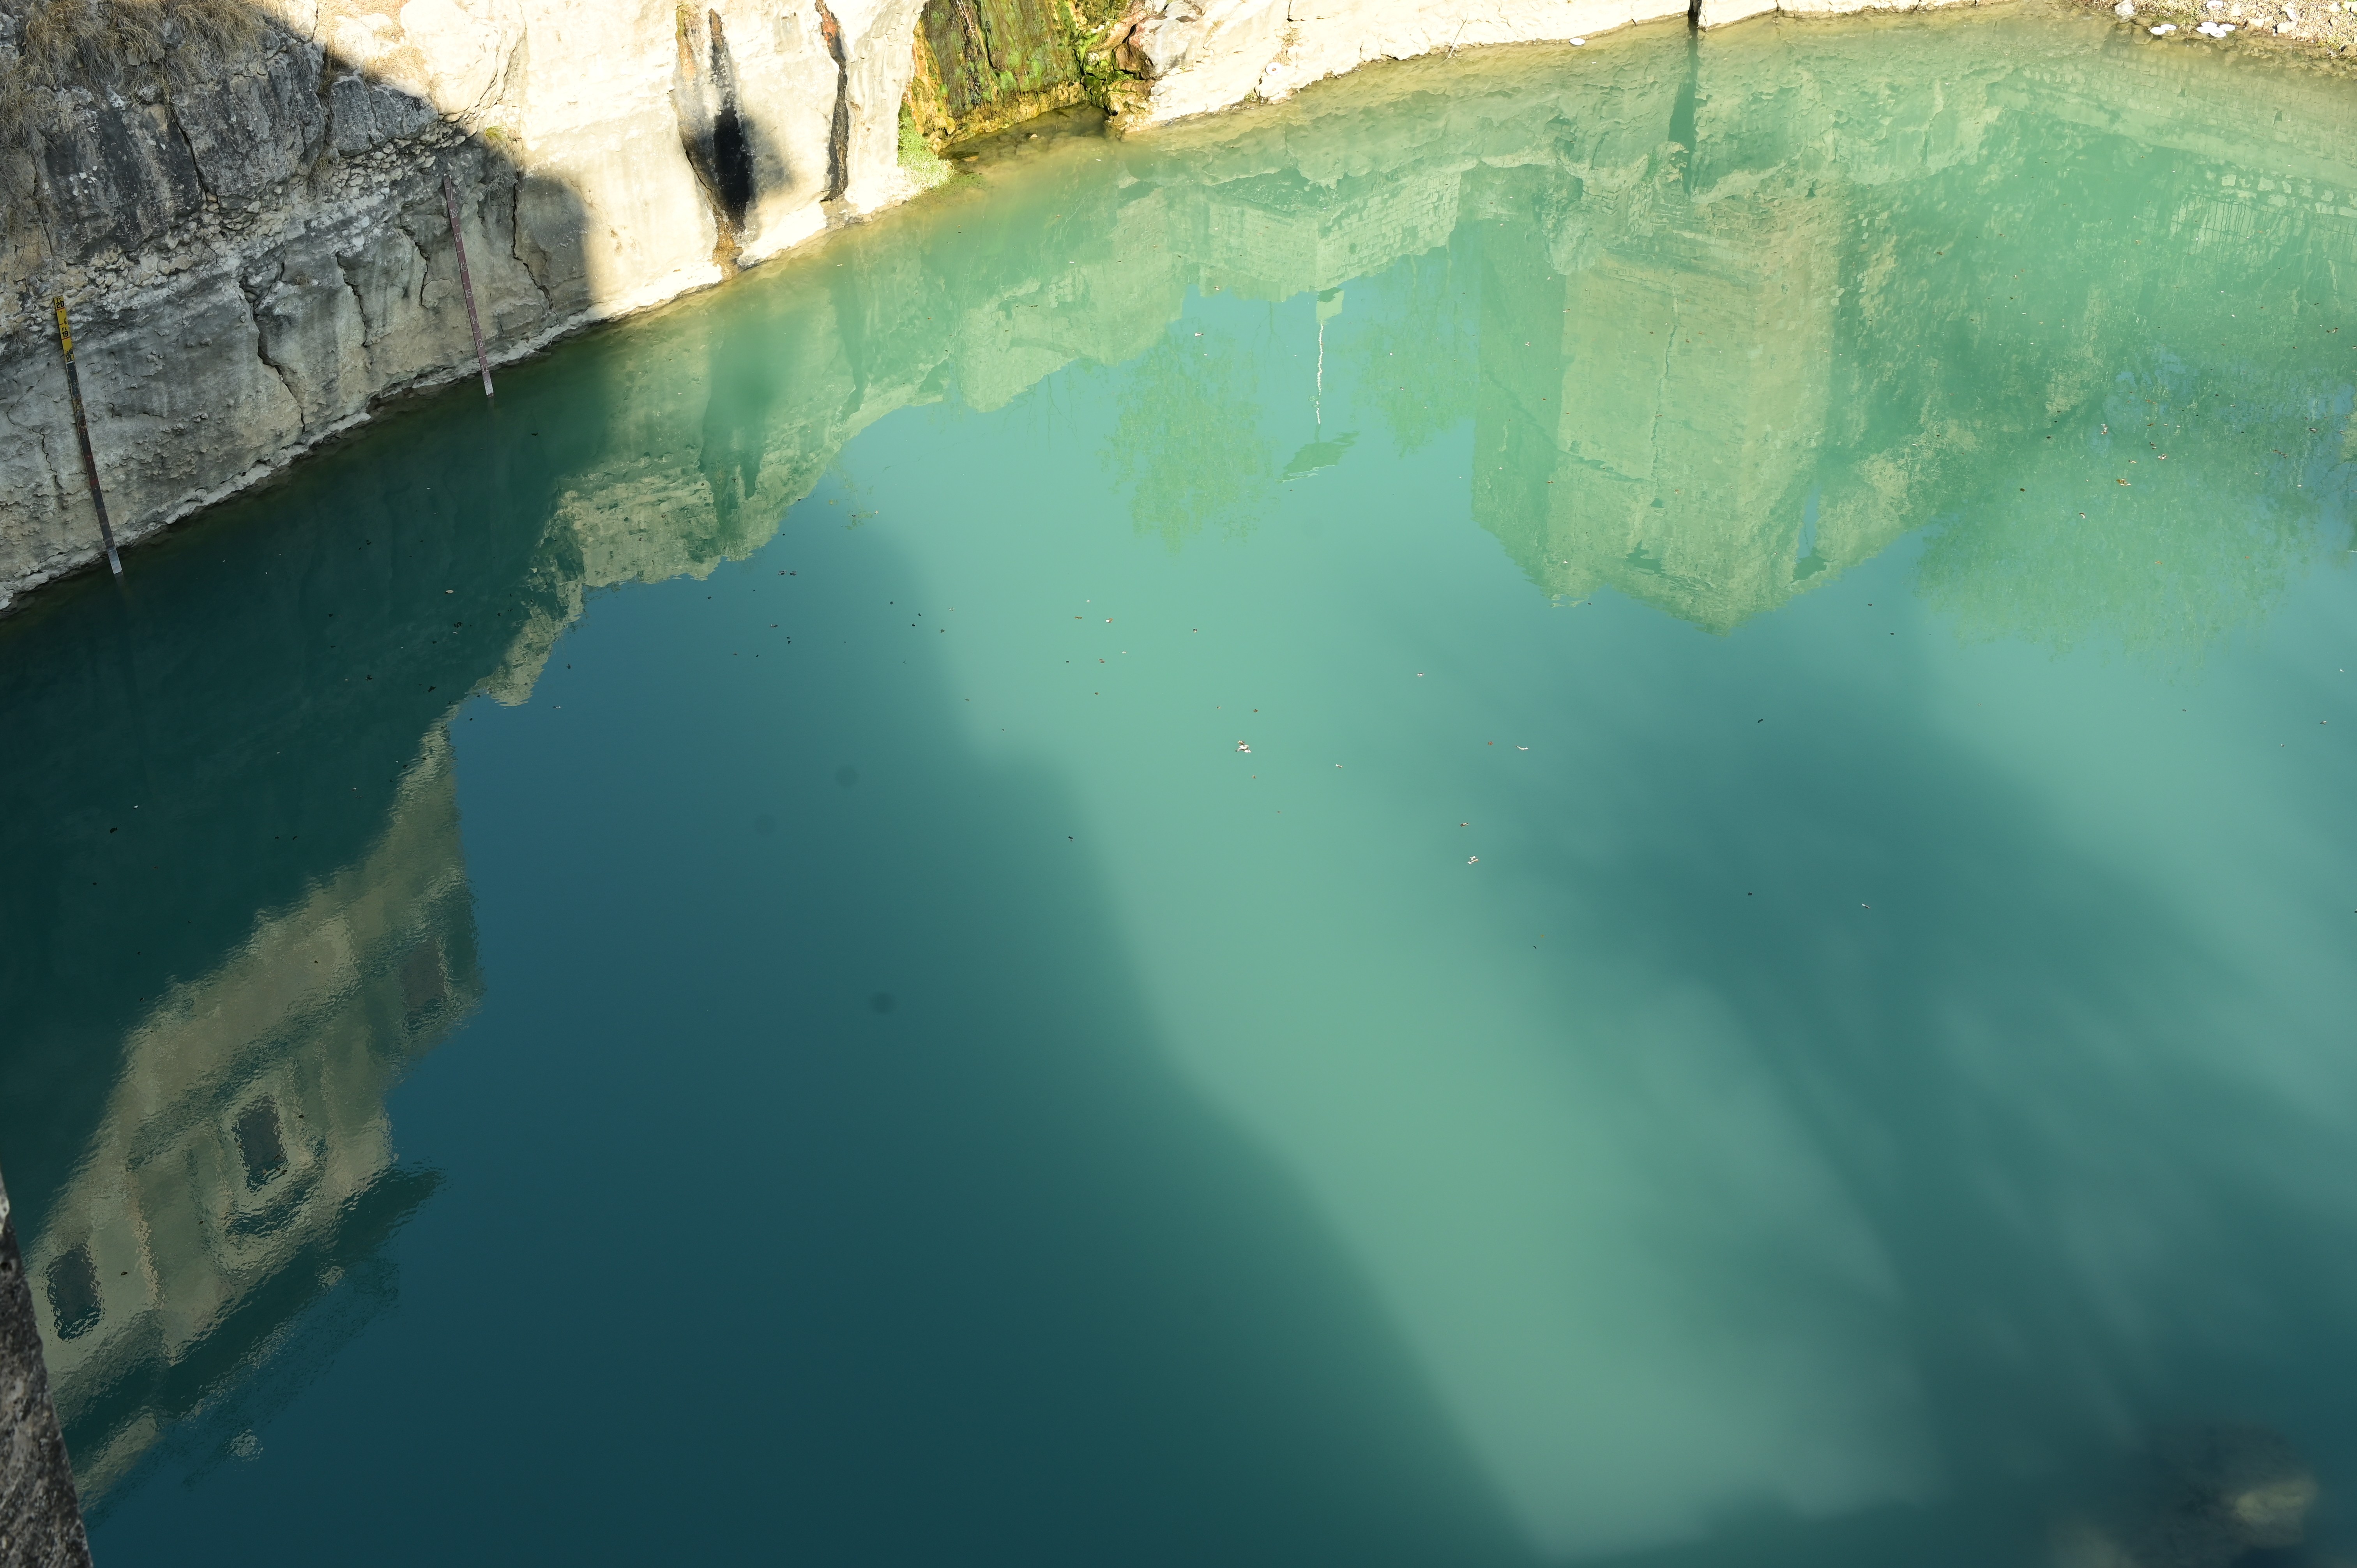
(40, 1522)
(983, 65)
(241, 206)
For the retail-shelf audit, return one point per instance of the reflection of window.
(73, 1293)
(259, 1144)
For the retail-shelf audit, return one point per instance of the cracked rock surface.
(240, 201)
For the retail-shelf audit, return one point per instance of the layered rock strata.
(243, 208)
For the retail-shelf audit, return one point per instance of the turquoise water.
(1574, 805)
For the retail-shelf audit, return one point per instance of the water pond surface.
(1575, 805)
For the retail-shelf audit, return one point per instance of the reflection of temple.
(245, 1159)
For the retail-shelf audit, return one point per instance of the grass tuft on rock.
(47, 47)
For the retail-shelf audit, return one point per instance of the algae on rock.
(981, 66)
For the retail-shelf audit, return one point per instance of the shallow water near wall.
(1573, 805)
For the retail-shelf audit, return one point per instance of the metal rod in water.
(466, 282)
(82, 433)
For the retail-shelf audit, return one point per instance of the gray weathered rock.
(251, 237)
(41, 1518)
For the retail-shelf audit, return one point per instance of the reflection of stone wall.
(247, 1127)
(1684, 389)
(256, 250)
(1708, 378)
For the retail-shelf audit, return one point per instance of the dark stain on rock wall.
(714, 129)
(838, 134)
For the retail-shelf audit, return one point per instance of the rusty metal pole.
(466, 284)
(82, 433)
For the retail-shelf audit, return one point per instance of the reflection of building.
(1650, 421)
(245, 1158)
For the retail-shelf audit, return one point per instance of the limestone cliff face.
(984, 64)
(242, 207)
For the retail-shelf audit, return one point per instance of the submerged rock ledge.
(241, 201)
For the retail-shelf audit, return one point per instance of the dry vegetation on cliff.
(49, 48)
(49, 45)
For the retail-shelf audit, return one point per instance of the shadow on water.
(2107, 1218)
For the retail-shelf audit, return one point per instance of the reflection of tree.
(2166, 565)
(1189, 444)
(1412, 359)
